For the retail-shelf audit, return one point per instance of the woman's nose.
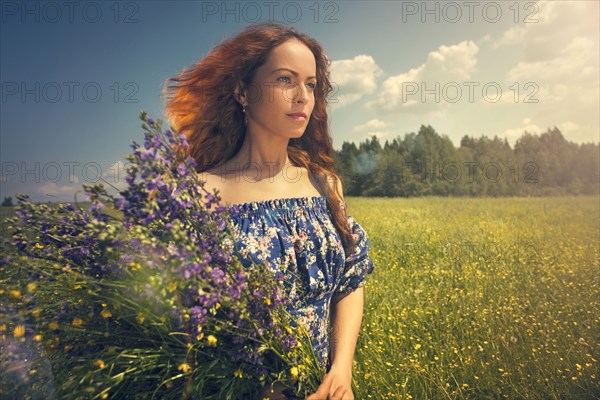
(300, 93)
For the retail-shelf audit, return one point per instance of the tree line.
(426, 163)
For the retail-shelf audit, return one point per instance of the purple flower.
(182, 169)
(218, 274)
(192, 264)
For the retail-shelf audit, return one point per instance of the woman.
(254, 112)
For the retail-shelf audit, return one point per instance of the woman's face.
(284, 85)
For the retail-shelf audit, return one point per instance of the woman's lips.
(297, 117)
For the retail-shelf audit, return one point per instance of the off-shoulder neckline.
(302, 200)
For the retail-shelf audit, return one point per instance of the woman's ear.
(240, 95)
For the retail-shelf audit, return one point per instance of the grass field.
(479, 298)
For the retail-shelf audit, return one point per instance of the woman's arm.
(346, 318)
(346, 311)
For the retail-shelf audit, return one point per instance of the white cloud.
(569, 129)
(373, 123)
(51, 190)
(115, 175)
(559, 54)
(572, 75)
(558, 22)
(569, 126)
(378, 134)
(484, 40)
(512, 134)
(510, 37)
(447, 64)
(353, 79)
(66, 189)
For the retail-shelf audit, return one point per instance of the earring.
(244, 111)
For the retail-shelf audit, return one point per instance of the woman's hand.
(342, 378)
(335, 386)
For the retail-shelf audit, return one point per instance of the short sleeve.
(357, 265)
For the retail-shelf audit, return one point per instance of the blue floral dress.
(297, 237)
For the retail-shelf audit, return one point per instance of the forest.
(427, 163)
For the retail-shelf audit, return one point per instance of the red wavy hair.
(201, 104)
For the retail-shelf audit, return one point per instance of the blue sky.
(58, 131)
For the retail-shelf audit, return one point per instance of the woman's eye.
(311, 85)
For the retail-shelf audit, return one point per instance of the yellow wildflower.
(19, 331)
(106, 313)
(267, 301)
(185, 368)
(294, 372)
(38, 246)
(15, 293)
(212, 341)
(238, 373)
(135, 265)
(77, 322)
(99, 363)
(53, 326)
(31, 286)
(141, 318)
(37, 338)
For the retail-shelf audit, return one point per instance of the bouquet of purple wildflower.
(142, 295)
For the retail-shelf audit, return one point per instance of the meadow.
(479, 298)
